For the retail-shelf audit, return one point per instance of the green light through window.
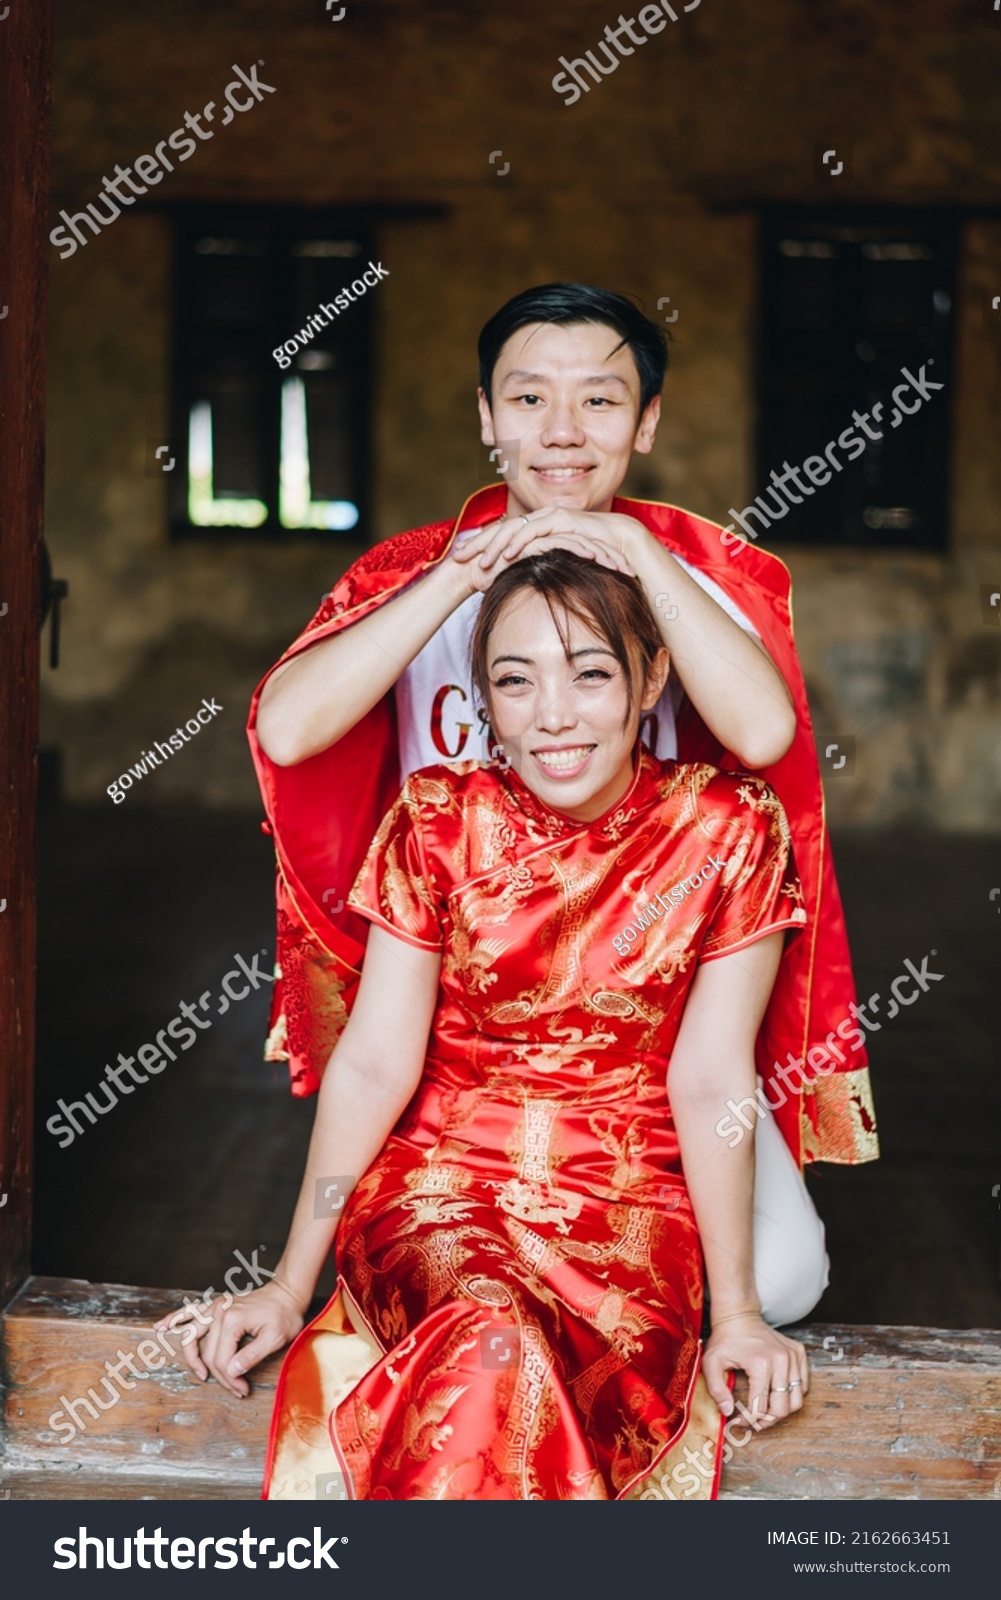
(203, 509)
(296, 508)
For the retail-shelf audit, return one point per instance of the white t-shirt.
(436, 708)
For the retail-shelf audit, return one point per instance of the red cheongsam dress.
(521, 1263)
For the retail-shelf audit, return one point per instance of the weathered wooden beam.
(58, 1336)
(893, 1413)
(41, 1483)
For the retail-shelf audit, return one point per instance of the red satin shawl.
(324, 813)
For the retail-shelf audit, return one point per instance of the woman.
(569, 959)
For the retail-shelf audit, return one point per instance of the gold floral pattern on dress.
(433, 1192)
(622, 1322)
(469, 960)
(424, 1426)
(538, 1202)
(624, 1139)
(403, 895)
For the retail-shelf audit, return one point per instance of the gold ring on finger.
(782, 1388)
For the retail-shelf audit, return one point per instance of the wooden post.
(25, 68)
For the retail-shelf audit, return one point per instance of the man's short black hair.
(565, 303)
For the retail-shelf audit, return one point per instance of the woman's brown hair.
(609, 602)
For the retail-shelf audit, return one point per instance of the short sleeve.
(395, 888)
(760, 891)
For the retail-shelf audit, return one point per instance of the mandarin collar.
(483, 506)
(642, 790)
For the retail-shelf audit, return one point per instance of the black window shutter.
(848, 301)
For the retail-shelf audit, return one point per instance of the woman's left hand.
(778, 1373)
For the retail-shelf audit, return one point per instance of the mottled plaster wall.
(648, 185)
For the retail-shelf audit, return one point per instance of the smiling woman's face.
(563, 723)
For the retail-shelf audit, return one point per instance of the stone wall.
(648, 185)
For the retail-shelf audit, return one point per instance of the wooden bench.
(892, 1414)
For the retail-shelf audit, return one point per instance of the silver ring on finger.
(796, 1383)
(525, 521)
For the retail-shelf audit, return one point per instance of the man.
(378, 685)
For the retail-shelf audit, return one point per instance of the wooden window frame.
(277, 228)
(813, 401)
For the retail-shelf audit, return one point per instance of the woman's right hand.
(777, 1368)
(211, 1342)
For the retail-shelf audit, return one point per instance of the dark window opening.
(849, 299)
(271, 409)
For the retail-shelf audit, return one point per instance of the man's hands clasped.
(605, 537)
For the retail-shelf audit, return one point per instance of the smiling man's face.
(572, 401)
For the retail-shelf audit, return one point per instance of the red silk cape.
(324, 812)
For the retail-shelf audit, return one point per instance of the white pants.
(791, 1266)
